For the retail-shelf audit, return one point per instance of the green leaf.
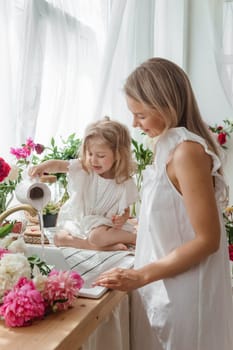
(43, 267)
(6, 229)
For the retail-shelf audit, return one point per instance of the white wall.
(204, 76)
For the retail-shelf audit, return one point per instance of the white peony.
(13, 174)
(12, 267)
(6, 241)
(39, 279)
(18, 246)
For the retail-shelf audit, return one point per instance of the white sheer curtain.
(65, 62)
(228, 48)
(68, 76)
(221, 15)
(29, 75)
(10, 27)
(20, 64)
(74, 33)
(171, 30)
(138, 30)
(130, 41)
(50, 58)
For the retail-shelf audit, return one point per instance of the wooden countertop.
(62, 330)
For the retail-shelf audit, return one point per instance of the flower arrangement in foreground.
(228, 218)
(28, 153)
(29, 289)
(223, 132)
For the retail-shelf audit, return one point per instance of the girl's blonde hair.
(163, 86)
(117, 137)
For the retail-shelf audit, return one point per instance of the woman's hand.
(63, 239)
(120, 279)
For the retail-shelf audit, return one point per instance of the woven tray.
(32, 235)
(35, 239)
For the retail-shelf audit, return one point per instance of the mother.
(181, 297)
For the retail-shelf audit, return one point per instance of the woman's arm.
(190, 171)
(49, 166)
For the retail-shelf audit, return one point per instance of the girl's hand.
(120, 279)
(50, 166)
(120, 220)
(36, 170)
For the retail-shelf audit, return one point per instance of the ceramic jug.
(33, 192)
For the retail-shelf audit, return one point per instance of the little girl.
(101, 190)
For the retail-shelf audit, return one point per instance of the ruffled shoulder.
(129, 196)
(173, 137)
(76, 175)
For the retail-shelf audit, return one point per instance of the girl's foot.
(118, 246)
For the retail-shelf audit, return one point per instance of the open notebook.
(88, 263)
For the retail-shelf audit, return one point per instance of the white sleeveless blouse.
(192, 311)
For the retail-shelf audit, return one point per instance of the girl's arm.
(190, 172)
(49, 166)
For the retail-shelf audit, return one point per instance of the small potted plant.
(50, 213)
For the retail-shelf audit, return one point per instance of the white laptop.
(88, 263)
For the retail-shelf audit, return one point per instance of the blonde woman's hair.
(163, 86)
(117, 137)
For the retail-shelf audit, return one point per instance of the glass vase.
(5, 200)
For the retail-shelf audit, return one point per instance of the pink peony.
(30, 144)
(3, 251)
(22, 304)
(26, 149)
(20, 153)
(61, 289)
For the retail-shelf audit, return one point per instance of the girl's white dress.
(93, 201)
(192, 311)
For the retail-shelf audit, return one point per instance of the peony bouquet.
(222, 132)
(29, 289)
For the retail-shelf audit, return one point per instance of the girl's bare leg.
(65, 239)
(104, 236)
